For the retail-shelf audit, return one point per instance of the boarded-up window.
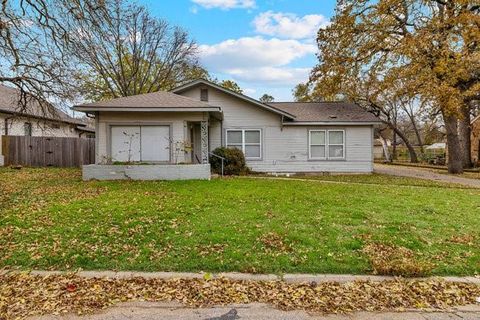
(140, 143)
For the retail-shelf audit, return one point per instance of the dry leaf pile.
(396, 261)
(23, 295)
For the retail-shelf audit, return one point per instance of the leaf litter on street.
(23, 295)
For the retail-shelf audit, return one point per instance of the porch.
(152, 146)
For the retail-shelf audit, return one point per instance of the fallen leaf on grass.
(394, 260)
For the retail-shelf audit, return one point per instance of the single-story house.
(37, 121)
(185, 125)
(475, 140)
(33, 120)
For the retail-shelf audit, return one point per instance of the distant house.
(275, 137)
(37, 122)
(476, 140)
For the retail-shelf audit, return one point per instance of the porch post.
(204, 141)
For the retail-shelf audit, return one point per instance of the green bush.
(234, 163)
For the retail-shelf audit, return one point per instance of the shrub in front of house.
(234, 163)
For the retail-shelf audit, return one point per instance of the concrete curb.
(289, 278)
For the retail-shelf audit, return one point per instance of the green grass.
(50, 219)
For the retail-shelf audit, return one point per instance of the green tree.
(266, 98)
(231, 85)
(301, 93)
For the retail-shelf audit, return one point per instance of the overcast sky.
(266, 46)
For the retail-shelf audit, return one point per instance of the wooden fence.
(48, 151)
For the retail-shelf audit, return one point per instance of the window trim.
(327, 144)
(243, 143)
(336, 144)
(27, 129)
(204, 94)
(310, 145)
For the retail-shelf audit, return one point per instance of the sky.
(266, 46)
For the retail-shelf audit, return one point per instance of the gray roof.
(9, 104)
(160, 99)
(326, 111)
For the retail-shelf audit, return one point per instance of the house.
(35, 120)
(475, 139)
(184, 126)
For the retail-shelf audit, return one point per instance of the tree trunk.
(411, 150)
(417, 133)
(455, 158)
(465, 131)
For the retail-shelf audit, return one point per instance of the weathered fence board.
(48, 151)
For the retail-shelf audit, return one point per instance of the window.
(203, 94)
(318, 143)
(326, 144)
(27, 129)
(247, 140)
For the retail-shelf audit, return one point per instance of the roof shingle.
(9, 103)
(326, 111)
(160, 99)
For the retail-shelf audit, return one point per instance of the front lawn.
(50, 219)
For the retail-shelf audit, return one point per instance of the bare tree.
(125, 51)
(52, 48)
(33, 55)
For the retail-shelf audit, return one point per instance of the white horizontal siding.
(40, 128)
(285, 149)
(177, 120)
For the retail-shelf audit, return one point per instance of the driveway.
(170, 311)
(422, 173)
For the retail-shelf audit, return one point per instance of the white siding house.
(35, 121)
(185, 125)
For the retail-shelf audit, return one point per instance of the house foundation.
(146, 172)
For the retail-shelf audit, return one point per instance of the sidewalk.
(288, 278)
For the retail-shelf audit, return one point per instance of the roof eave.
(235, 94)
(26, 115)
(332, 123)
(147, 109)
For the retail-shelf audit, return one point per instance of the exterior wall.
(178, 122)
(146, 172)
(476, 141)
(285, 148)
(40, 128)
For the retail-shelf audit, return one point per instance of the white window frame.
(310, 145)
(243, 144)
(327, 144)
(336, 144)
